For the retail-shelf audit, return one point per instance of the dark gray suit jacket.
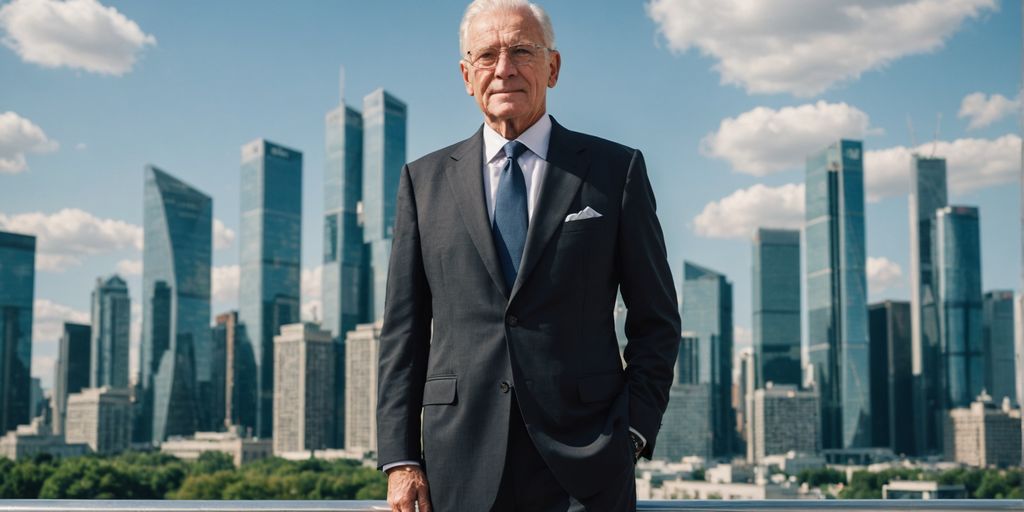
(455, 338)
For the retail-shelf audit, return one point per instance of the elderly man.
(501, 385)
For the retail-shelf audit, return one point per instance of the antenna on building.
(341, 85)
(935, 140)
(913, 137)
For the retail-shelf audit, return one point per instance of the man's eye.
(486, 55)
(522, 51)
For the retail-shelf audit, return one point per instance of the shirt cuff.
(386, 467)
(643, 440)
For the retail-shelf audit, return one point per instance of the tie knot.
(514, 149)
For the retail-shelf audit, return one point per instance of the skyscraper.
(175, 306)
(776, 295)
(783, 419)
(927, 194)
(997, 345)
(111, 320)
(71, 374)
(384, 133)
(363, 346)
(707, 314)
(958, 272)
(837, 324)
(17, 290)
(270, 259)
(344, 287)
(239, 371)
(303, 388)
(101, 418)
(891, 376)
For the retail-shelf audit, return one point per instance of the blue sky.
(724, 97)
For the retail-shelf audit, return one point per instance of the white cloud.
(983, 111)
(740, 213)
(312, 307)
(222, 236)
(742, 337)
(17, 137)
(224, 284)
(971, 164)
(883, 274)
(801, 47)
(763, 140)
(48, 319)
(42, 368)
(312, 311)
(78, 34)
(63, 238)
(129, 267)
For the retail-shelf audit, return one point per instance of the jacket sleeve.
(652, 314)
(404, 338)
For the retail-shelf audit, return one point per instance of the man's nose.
(504, 67)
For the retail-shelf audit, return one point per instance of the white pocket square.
(586, 213)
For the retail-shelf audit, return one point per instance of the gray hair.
(482, 6)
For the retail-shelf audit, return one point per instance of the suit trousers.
(528, 485)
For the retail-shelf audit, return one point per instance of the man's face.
(509, 93)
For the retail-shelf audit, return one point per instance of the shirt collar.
(535, 138)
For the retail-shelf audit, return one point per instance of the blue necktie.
(510, 218)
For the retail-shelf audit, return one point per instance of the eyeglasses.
(520, 54)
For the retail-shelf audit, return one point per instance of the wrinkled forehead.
(504, 27)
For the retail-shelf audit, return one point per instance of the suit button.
(513, 321)
(504, 387)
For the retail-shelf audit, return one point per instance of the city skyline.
(703, 218)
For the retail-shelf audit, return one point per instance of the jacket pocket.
(599, 388)
(439, 391)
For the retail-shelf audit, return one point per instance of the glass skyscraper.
(17, 290)
(1000, 375)
(270, 260)
(175, 307)
(891, 377)
(837, 323)
(111, 320)
(344, 289)
(707, 318)
(384, 135)
(776, 297)
(71, 373)
(927, 194)
(958, 271)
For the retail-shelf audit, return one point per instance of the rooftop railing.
(368, 506)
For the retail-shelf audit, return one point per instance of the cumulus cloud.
(883, 274)
(129, 267)
(222, 236)
(971, 164)
(764, 140)
(78, 34)
(801, 47)
(312, 305)
(48, 319)
(224, 284)
(17, 137)
(982, 110)
(740, 213)
(63, 238)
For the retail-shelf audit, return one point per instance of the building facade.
(998, 345)
(836, 285)
(101, 419)
(783, 419)
(71, 373)
(776, 306)
(111, 321)
(891, 376)
(270, 259)
(17, 291)
(304, 402)
(686, 426)
(985, 434)
(175, 308)
(362, 353)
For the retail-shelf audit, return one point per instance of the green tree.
(821, 476)
(90, 478)
(209, 486)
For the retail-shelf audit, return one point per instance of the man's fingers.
(424, 500)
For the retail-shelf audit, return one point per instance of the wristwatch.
(638, 446)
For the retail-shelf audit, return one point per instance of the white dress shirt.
(534, 165)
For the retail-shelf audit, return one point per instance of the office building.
(997, 346)
(100, 418)
(17, 290)
(303, 388)
(985, 434)
(111, 321)
(71, 373)
(175, 308)
(34, 438)
(362, 352)
(783, 419)
(239, 369)
(891, 376)
(776, 306)
(242, 450)
(836, 286)
(686, 425)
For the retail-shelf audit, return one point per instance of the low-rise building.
(29, 440)
(984, 435)
(922, 490)
(242, 450)
(100, 418)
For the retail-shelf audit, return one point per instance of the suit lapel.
(566, 171)
(465, 176)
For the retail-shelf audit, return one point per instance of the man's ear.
(555, 65)
(465, 77)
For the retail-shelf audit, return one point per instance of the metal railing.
(369, 506)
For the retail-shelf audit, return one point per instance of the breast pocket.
(584, 225)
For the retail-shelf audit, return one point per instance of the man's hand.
(407, 486)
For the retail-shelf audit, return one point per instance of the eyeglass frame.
(505, 50)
